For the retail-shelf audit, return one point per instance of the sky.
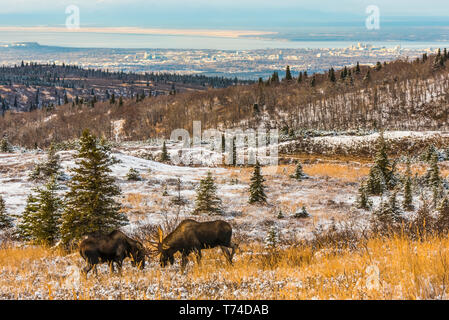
(229, 14)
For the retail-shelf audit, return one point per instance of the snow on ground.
(144, 202)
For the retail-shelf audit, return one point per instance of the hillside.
(31, 86)
(401, 95)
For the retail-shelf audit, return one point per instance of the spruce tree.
(50, 167)
(299, 173)
(433, 175)
(133, 175)
(5, 219)
(363, 201)
(41, 218)
(178, 199)
(302, 214)
(90, 204)
(272, 239)
(274, 78)
(257, 188)
(408, 196)
(381, 176)
(300, 77)
(288, 74)
(165, 157)
(378, 66)
(443, 215)
(280, 214)
(357, 68)
(393, 206)
(332, 77)
(27, 220)
(207, 200)
(4, 145)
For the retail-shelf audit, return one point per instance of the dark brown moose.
(192, 236)
(111, 248)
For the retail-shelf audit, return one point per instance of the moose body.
(192, 236)
(111, 248)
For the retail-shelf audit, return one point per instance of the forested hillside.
(31, 86)
(401, 95)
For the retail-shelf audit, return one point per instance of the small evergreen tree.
(299, 173)
(26, 224)
(381, 176)
(300, 77)
(332, 77)
(378, 66)
(5, 147)
(433, 174)
(207, 200)
(272, 239)
(393, 206)
(302, 214)
(257, 188)
(408, 196)
(443, 215)
(280, 214)
(288, 74)
(357, 68)
(5, 219)
(41, 218)
(90, 204)
(178, 199)
(363, 201)
(50, 167)
(165, 157)
(133, 175)
(165, 192)
(274, 78)
(424, 222)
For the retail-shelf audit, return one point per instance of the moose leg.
(119, 266)
(87, 269)
(234, 248)
(184, 260)
(198, 256)
(111, 266)
(226, 253)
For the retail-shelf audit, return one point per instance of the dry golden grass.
(344, 172)
(396, 268)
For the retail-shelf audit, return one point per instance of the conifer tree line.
(89, 205)
(59, 79)
(385, 181)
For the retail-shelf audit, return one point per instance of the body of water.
(107, 40)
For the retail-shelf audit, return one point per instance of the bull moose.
(192, 236)
(111, 248)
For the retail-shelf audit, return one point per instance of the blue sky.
(237, 14)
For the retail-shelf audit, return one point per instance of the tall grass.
(379, 268)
